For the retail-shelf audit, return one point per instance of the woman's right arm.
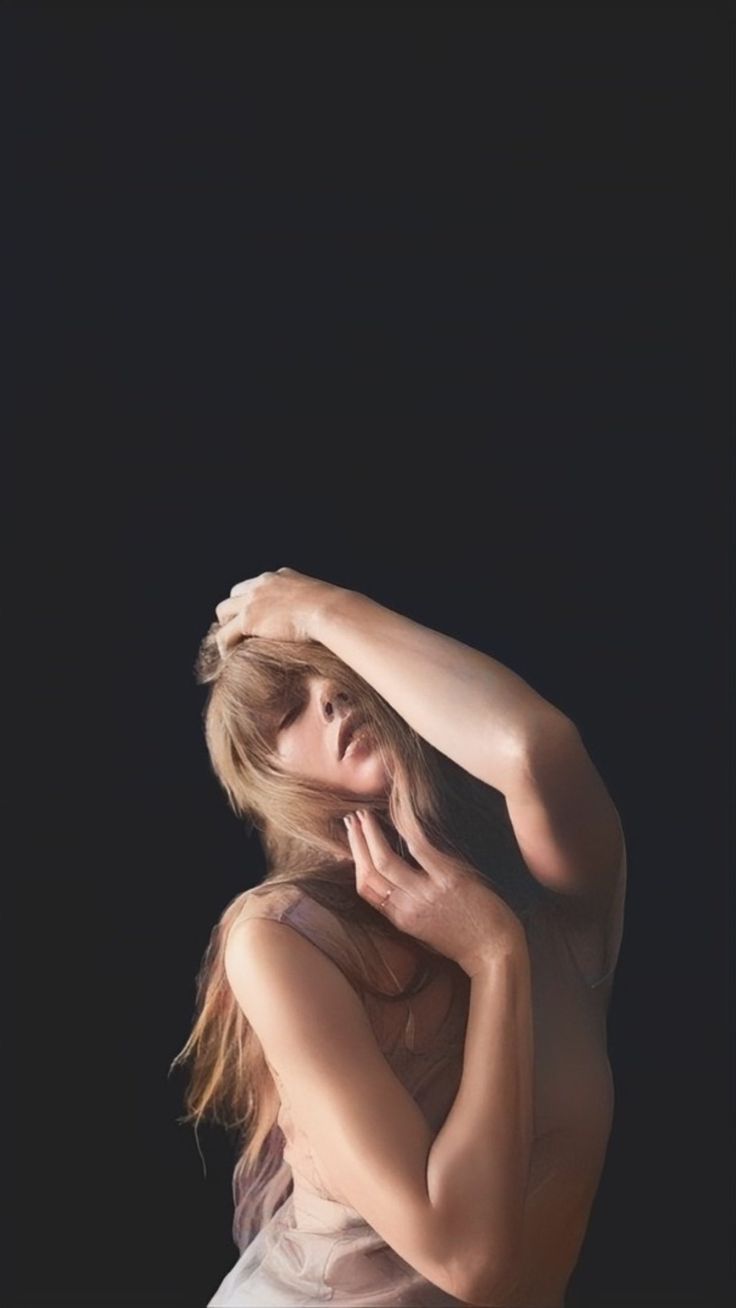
(371, 1140)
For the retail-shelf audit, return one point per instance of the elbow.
(515, 764)
(495, 1287)
(548, 722)
(491, 1294)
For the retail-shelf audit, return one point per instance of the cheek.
(372, 768)
(292, 752)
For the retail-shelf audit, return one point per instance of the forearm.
(468, 705)
(478, 1165)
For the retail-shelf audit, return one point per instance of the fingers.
(227, 609)
(386, 861)
(232, 616)
(372, 884)
(229, 635)
(378, 868)
(358, 844)
(241, 587)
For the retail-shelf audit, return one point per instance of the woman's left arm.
(469, 706)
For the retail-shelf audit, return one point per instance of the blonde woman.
(405, 1020)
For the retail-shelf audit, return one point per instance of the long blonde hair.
(300, 826)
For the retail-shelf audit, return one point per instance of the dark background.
(425, 301)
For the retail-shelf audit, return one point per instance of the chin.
(373, 779)
(368, 774)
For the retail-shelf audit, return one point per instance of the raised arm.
(464, 702)
(487, 719)
(473, 709)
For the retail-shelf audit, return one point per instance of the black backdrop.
(429, 302)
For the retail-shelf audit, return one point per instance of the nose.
(338, 702)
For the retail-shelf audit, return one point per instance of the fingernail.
(346, 820)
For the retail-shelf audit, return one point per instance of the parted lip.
(348, 728)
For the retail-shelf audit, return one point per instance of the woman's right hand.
(446, 904)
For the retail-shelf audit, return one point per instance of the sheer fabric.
(316, 1248)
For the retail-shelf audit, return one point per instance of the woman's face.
(310, 742)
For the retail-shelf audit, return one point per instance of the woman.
(406, 1019)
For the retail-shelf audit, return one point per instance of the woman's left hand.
(281, 605)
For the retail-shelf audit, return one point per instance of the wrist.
(329, 604)
(508, 950)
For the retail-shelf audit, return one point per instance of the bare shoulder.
(266, 948)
